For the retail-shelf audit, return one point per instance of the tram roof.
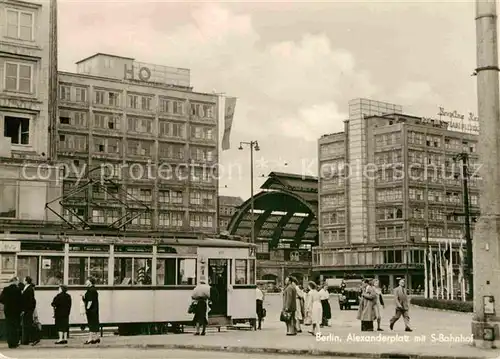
(205, 242)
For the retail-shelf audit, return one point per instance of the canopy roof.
(285, 211)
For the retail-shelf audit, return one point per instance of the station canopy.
(285, 211)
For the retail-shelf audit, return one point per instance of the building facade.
(411, 180)
(27, 178)
(144, 130)
(228, 206)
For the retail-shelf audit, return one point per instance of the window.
(74, 118)
(99, 97)
(202, 133)
(18, 129)
(133, 101)
(139, 148)
(201, 220)
(141, 125)
(176, 152)
(52, 271)
(65, 93)
(18, 77)
(132, 271)
(240, 271)
(20, 24)
(171, 106)
(252, 271)
(202, 154)
(81, 94)
(81, 268)
(176, 271)
(146, 103)
(28, 267)
(114, 99)
(172, 129)
(109, 122)
(75, 143)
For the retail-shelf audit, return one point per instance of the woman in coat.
(91, 302)
(314, 308)
(299, 312)
(289, 306)
(62, 309)
(366, 311)
(200, 297)
(379, 304)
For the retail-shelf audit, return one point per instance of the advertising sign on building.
(143, 72)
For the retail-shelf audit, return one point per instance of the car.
(350, 294)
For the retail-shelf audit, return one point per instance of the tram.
(141, 282)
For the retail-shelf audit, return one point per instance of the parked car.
(350, 293)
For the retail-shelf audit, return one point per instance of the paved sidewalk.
(436, 335)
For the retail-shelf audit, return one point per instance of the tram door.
(218, 274)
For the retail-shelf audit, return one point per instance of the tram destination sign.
(134, 249)
(88, 248)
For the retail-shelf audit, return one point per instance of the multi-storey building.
(228, 206)
(143, 127)
(27, 179)
(411, 180)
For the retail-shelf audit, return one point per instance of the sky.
(293, 66)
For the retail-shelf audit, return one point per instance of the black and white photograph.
(249, 179)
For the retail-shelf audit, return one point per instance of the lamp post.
(253, 145)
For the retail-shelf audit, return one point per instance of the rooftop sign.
(157, 74)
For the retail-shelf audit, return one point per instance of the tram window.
(176, 271)
(28, 267)
(81, 268)
(132, 271)
(186, 272)
(240, 268)
(52, 270)
(252, 271)
(166, 271)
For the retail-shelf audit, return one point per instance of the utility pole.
(427, 261)
(487, 243)
(53, 84)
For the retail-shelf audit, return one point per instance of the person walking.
(259, 306)
(200, 297)
(325, 303)
(91, 302)
(62, 309)
(402, 306)
(289, 306)
(11, 298)
(379, 303)
(314, 308)
(366, 311)
(29, 332)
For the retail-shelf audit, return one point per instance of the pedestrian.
(402, 306)
(289, 306)
(91, 303)
(379, 304)
(314, 308)
(200, 297)
(366, 311)
(325, 303)
(259, 306)
(62, 308)
(11, 298)
(299, 312)
(30, 334)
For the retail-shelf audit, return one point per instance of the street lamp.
(254, 145)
